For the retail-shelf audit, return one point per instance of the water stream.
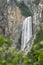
(26, 31)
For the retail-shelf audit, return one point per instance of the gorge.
(15, 19)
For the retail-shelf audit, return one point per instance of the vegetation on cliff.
(10, 56)
(36, 53)
(24, 9)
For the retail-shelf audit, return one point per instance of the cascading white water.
(26, 31)
(8, 1)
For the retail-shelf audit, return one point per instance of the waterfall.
(26, 31)
(8, 1)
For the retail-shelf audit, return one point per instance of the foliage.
(4, 41)
(24, 9)
(36, 53)
(10, 56)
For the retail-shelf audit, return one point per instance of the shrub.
(10, 56)
(36, 54)
(24, 9)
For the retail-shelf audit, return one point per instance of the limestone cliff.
(15, 19)
(12, 15)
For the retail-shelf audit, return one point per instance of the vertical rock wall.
(3, 16)
(15, 19)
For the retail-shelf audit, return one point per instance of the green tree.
(36, 54)
(10, 56)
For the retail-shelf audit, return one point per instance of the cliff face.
(3, 16)
(11, 18)
(15, 19)
(36, 7)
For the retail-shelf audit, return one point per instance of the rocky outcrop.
(15, 20)
(3, 16)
